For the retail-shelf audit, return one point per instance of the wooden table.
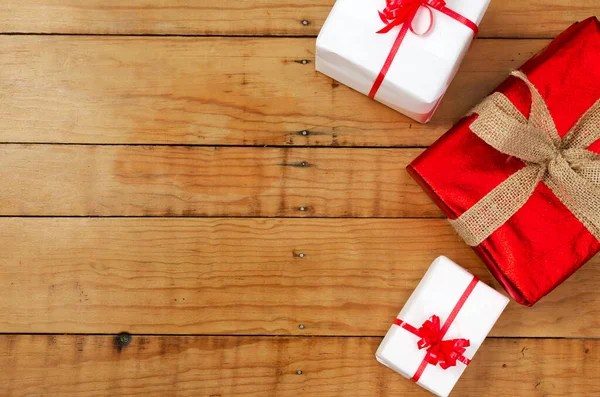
(176, 169)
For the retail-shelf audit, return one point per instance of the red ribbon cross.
(403, 12)
(445, 353)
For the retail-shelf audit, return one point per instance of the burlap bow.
(564, 165)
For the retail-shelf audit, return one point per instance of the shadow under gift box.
(543, 243)
(350, 50)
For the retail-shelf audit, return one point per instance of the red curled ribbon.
(446, 353)
(403, 12)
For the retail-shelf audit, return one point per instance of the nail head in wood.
(302, 208)
(304, 164)
(304, 61)
(123, 339)
(305, 22)
(301, 326)
(305, 133)
(301, 255)
(299, 372)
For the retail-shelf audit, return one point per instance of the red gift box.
(543, 243)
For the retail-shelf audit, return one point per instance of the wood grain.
(214, 91)
(246, 276)
(81, 120)
(93, 366)
(57, 180)
(505, 18)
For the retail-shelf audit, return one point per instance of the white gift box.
(441, 292)
(350, 50)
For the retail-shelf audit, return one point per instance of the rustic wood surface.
(166, 366)
(209, 181)
(241, 215)
(188, 276)
(505, 18)
(214, 91)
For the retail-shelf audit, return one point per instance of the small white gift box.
(350, 50)
(440, 328)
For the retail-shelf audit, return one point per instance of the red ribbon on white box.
(446, 353)
(403, 12)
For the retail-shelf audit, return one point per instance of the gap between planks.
(505, 18)
(150, 35)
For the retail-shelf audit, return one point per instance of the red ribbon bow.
(398, 12)
(446, 353)
(443, 352)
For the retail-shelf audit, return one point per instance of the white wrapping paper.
(350, 51)
(437, 294)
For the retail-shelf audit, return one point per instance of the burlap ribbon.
(564, 165)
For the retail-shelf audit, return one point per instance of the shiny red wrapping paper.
(543, 243)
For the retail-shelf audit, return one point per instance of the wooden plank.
(246, 276)
(217, 91)
(169, 366)
(58, 180)
(505, 18)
